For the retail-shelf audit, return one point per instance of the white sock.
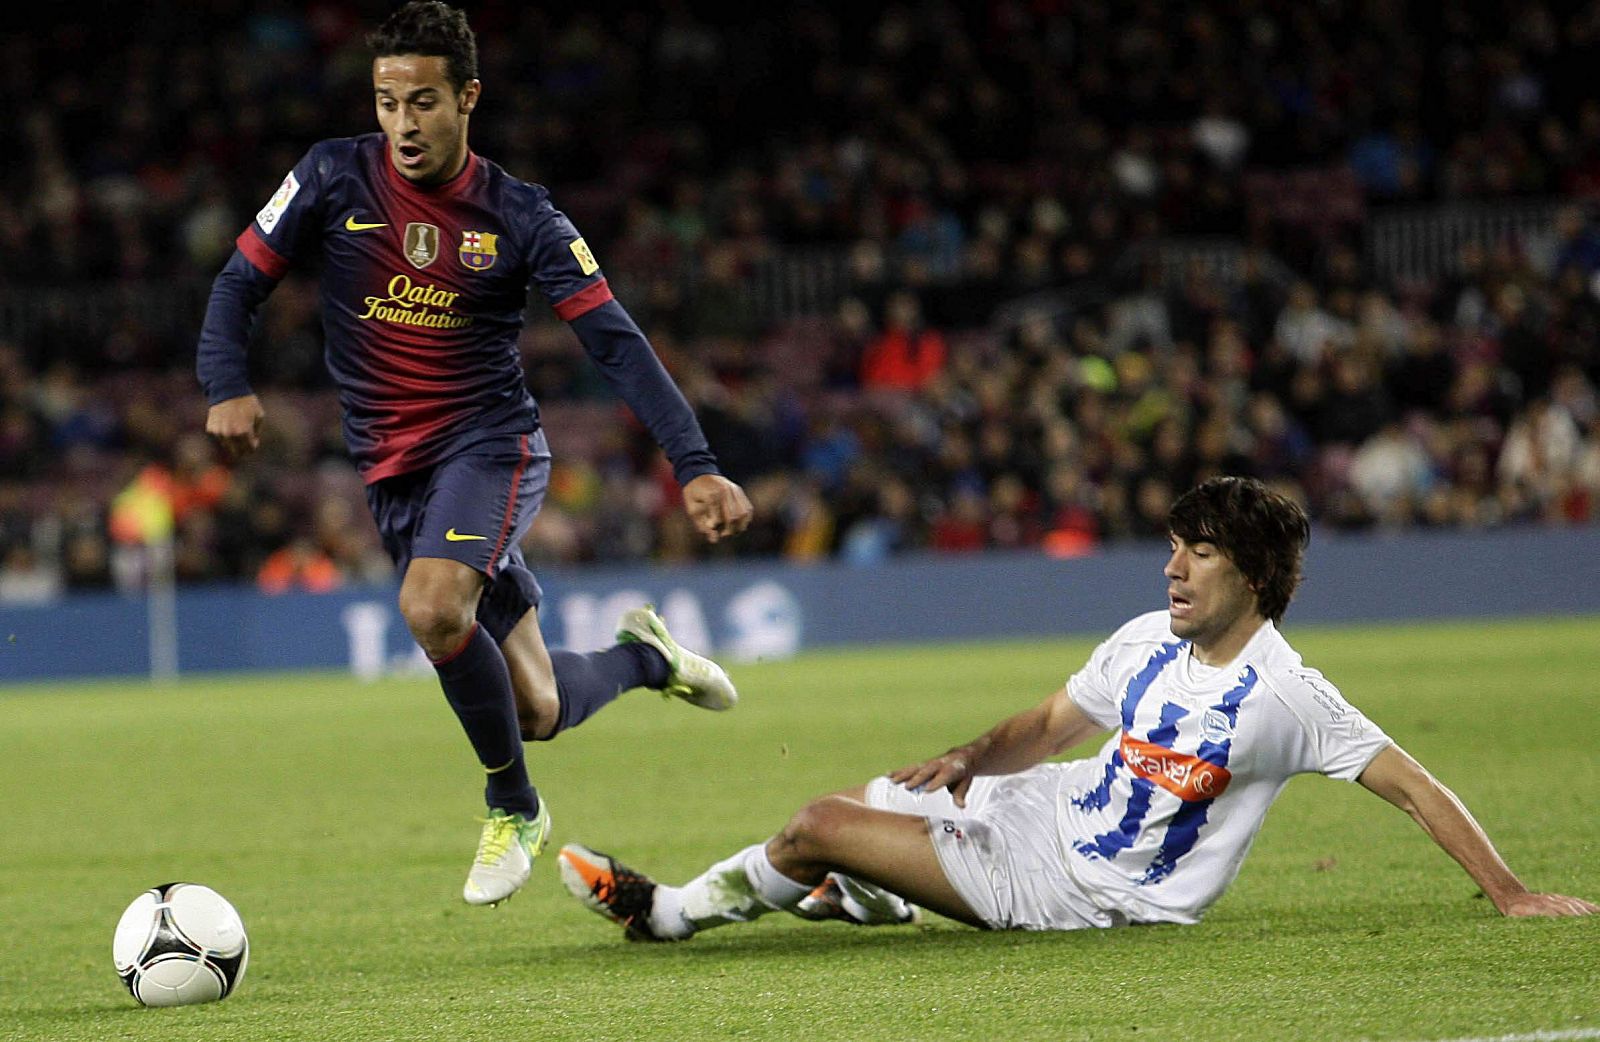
(735, 890)
(776, 890)
(667, 920)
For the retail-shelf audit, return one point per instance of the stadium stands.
(1350, 251)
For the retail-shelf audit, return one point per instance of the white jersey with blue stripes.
(1155, 827)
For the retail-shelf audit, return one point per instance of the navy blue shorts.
(474, 507)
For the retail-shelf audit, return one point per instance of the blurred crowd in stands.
(1012, 359)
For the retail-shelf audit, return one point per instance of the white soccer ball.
(179, 944)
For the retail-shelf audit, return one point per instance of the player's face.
(424, 117)
(1209, 601)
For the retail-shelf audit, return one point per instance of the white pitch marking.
(1568, 1035)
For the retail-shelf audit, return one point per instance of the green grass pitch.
(338, 817)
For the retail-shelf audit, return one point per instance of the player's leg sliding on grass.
(838, 858)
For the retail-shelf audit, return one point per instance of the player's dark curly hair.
(1263, 533)
(431, 29)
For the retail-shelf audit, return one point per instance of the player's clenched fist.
(717, 506)
(236, 423)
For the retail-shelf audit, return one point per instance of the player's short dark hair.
(1264, 533)
(431, 29)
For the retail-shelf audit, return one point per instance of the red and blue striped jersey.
(423, 290)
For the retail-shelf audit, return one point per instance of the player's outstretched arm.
(717, 506)
(1015, 744)
(1404, 782)
(236, 424)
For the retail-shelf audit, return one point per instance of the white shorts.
(1001, 852)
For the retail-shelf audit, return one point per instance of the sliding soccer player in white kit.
(1212, 712)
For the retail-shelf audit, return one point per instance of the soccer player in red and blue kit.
(427, 253)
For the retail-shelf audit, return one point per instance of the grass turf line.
(338, 818)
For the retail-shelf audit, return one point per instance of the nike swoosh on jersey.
(458, 537)
(353, 225)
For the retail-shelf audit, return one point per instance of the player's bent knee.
(438, 600)
(814, 832)
(439, 627)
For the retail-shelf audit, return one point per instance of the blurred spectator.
(86, 562)
(809, 522)
(1072, 527)
(1571, 244)
(198, 482)
(907, 355)
(24, 579)
(1391, 474)
(1583, 503)
(1538, 460)
(1419, 378)
(1355, 406)
(888, 527)
(960, 528)
(1305, 330)
(299, 565)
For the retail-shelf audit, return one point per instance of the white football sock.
(667, 920)
(735, 890)
(775, 889)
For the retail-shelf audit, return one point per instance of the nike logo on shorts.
(453, 536)
(353, 225)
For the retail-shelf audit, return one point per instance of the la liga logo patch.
(479, 250)
(585, 257)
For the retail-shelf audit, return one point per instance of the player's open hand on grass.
(1525, 905)
(717, 506)
(951, 771)
(236, 424)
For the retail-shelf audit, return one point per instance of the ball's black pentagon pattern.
(167, 942)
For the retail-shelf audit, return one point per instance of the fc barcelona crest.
(478, 250)
(421, 244)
